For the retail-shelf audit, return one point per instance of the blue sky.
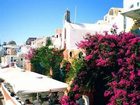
(20, 19)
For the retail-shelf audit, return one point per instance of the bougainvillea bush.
(112, 71)
(124, 89)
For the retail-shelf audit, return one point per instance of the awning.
(30, 82)
(133, 13)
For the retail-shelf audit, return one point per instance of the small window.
(8, 51)
(111, 12)
(11, 59)
(70, 54)
(65, 33)
(138, 4)
(64, 45)
(132, 6)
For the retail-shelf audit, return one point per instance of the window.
(105, 18)
(132, 6)
(70, 54)
(12, 59)
(138, 4)
(111, 12)
(65, 33)
(64, 45)
(119, 11)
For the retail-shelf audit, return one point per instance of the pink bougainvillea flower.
(120, 61)
(107, 93)
(126, 103)
(138, 73)
(133, 56)
(75, 88)
(113, 75)
(128, 52)
(112, 45)
(77, 96)
(130, 67)
(89, 57)
(132, 75)
(30, 54)
(113, 84)
(128, 60)
(64, 100)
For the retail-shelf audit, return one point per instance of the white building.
(130, 5)
(132, 10)
(73, 33)
(57, 39)
(39, 42)
(11, 60)
(22, 61)
(9, 54)
(113, 17)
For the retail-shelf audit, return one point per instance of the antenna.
(75, 14)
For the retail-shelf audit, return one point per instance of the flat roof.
(30, 82)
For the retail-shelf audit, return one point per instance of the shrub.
(112, 69)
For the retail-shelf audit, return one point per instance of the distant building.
(57, 39)
(112, 14)
(8, 60)
(12, 60)
(113, 17)
(10, 48)
(9, 54)
(29, 40)
(12, 43)
(22, 61)
(39, 42)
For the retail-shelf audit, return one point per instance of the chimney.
(67, 16)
